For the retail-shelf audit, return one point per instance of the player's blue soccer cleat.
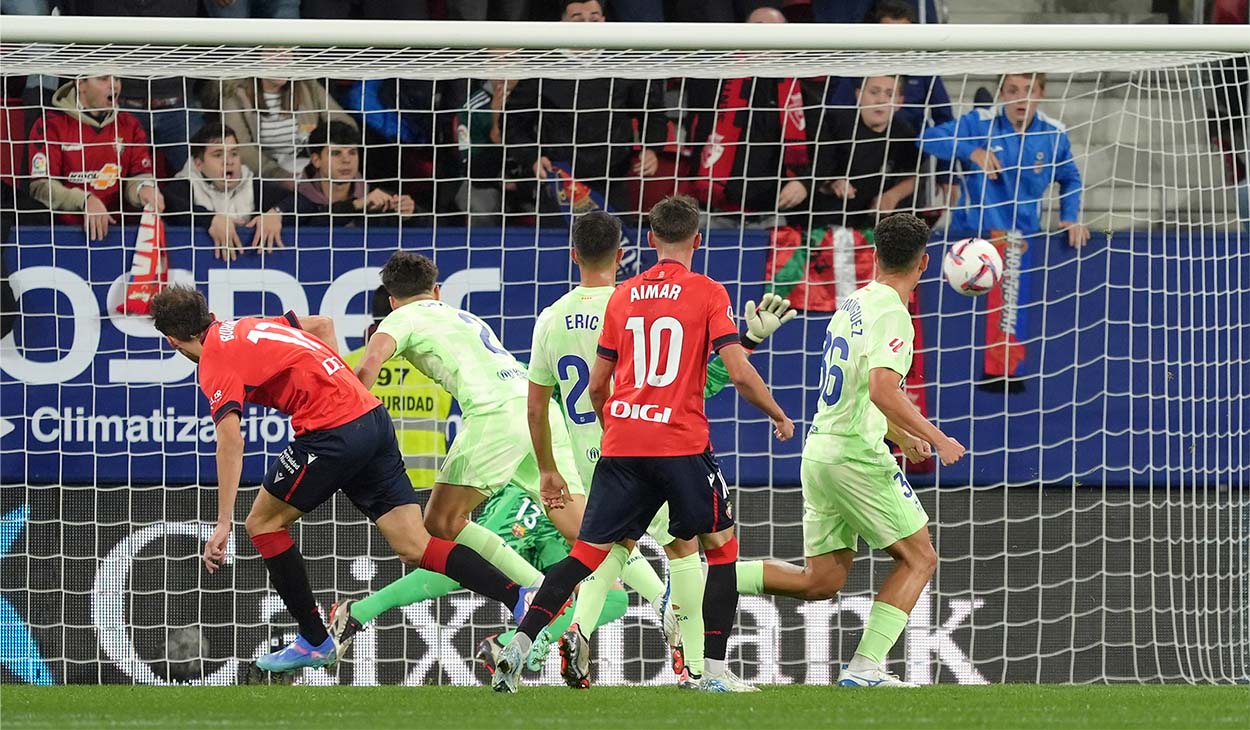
(876, 677)
(299, 654)
(525, 596)
(727, 682)
(508, 666)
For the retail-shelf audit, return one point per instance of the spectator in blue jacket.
(1011, 154)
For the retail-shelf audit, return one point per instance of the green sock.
(614, 607)
(594, 590)
(496, 552)
(750, 577)
(885, 623)
(685, 576)
(419, 585)
(640, 576)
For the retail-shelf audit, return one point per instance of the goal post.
(1098, 530)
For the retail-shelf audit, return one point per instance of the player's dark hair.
(675, 219)
(893, 9)
(381, 305)
(215, 131)
(900, 239)
(408, 274)
(597, 237)
(180, 312)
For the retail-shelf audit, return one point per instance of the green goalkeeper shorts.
(493, 449)
(852, 499)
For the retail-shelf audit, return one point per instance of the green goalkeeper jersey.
(566, 340)
(872, 329)
(459, 352)
(514, 516)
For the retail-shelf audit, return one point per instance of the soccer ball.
(972, 266)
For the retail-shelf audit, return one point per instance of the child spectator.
(332, 190)
(866, 159)
(85, 156)
(1011, 154)
(273, 118)
(215, 189)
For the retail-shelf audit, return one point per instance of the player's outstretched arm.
(752, 387)
(552, 487)
(381, 348)
(322, 328)
(898, 409)
(229, 471)
(762, 322)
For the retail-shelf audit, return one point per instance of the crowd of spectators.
(240, 158)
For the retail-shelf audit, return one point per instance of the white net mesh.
(1098, 531)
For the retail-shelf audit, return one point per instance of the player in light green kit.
(566, 336)
(852, 487)
(461, 353)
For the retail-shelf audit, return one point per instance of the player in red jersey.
(659, 329)
(344, 439)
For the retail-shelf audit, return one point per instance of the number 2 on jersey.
(831, 371)
(488, 337)
(647, 346)
(580, 379)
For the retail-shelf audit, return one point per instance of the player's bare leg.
(914, 563)
(819, 578)
(267, 524)
(447, 517)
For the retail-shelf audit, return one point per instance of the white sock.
(714, 667)
(861, 663)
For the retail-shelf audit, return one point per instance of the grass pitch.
(444, 708)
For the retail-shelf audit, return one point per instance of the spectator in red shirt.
(85, 156)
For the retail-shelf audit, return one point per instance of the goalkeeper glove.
(764, 320)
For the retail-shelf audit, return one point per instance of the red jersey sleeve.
(609, 347)
(45, 159)
(722, 328)
(223, 387)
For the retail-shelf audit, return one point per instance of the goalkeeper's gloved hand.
(764, 320)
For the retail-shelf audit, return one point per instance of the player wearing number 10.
(344, 439)
(646, 386)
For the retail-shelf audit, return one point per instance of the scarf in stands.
(150, 268)
(239, 202)
(728, 137)
(817, 272)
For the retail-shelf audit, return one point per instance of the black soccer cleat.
(575, 658)
(342, 626)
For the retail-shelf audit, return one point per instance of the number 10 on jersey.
(647, 346)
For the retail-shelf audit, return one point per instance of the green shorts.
(853, 499)
(493, 449)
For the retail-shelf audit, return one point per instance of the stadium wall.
(1133, 346)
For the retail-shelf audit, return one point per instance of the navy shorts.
(627, 491)
(361, 457)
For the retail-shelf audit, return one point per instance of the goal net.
(1098, 530)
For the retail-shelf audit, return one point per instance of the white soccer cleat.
(726, 682)
(876, 677)
(575, 658)
(508, 666)
(672, 628)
